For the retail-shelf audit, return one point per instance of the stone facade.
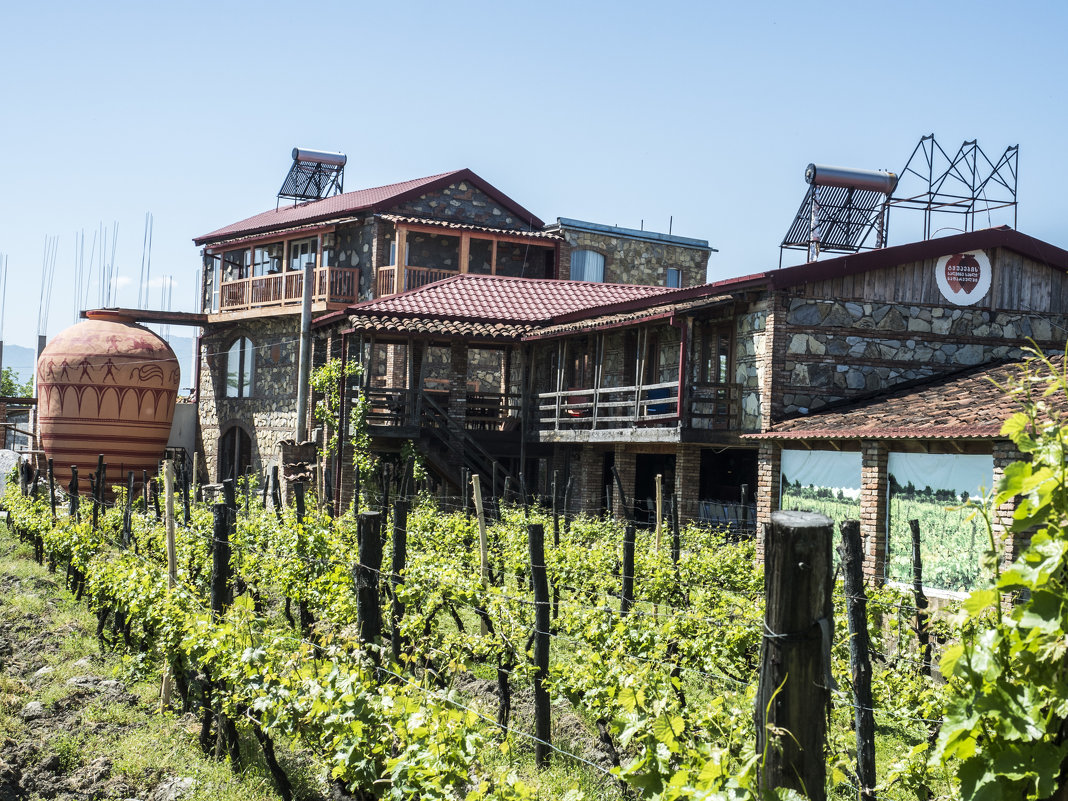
(750, 348)
(268, 415)
(463, 202)
(354, 248)
(635, 261)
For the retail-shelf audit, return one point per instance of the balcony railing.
(485, 411)
(650, 404)
(332, 285)
(414, 277)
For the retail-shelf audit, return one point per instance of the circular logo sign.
(963, 278)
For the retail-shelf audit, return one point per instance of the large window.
(301, 253)
(235, 264)
(587, 265)
(267, 260)
(239, 360)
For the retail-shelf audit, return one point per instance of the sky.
(695, 116)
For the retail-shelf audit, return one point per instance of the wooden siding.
(1018, 284)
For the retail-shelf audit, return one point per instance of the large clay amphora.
(106, 386)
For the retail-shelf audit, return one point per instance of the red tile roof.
(965, 405)
(500, 299)
(375, 199)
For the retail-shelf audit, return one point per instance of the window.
(716, 354)
(235, 453)
(239, 360)
(674, 277)
(235, 265)
(212, 277)
(267, 260)
(301, 253)
(587, 265)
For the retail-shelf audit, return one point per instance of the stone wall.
(635, 261)
(750, 350)
(836, 350)
(462, 202)
(354, 247)
(269, 414)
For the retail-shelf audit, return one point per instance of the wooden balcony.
(332, 285)
(414, 277)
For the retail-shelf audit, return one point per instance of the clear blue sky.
(616, 113)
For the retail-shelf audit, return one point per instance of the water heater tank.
(874, 180)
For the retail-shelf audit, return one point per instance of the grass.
(143, 746)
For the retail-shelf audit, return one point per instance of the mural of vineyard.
(826, 482)
(952, 536)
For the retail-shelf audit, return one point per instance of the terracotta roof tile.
(499, 299)
(964, 405)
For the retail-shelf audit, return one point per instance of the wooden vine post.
(795, 656)
(400, 556)
(52, 488)
(859, 660)
(172, 564)
(923, 634)
(483, 543)
(365, 576)
(220, 559)
(627, 594)
(542, 711)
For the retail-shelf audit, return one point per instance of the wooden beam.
(493, 259)
(399, 277)
(465, 251)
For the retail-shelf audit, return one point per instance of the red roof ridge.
(371, 198)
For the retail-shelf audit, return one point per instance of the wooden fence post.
(860, 662)
(556, 544)
(220, 564)
(368, 614)
(72, 491)
(920, 599)
(542, 710)
(52, 488)
(400, 556)
(627, 590)
(172, 564)
(127, 513)
(795, 658)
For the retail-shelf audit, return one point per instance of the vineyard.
(382, 646)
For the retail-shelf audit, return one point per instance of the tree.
(10, 386)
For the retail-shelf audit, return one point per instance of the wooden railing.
(332, 285)
(486, 411)
(715, 407)
(609, 407)
(414, 277)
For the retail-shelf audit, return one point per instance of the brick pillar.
(769, 476)
(588, 479)
(396, 366)
(873, 511)
(772, 361)
(687, 481)
(1005, 453)
(625, 466)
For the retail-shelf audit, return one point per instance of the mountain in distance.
(22, 359)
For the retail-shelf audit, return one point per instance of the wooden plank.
(465, 250)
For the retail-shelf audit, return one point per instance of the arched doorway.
(235, 453)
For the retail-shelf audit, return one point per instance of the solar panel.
(315, 174)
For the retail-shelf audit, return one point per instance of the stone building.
(705, 385)
(369, 244)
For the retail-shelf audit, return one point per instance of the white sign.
(963, 278)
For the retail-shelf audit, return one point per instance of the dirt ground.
(79, 724)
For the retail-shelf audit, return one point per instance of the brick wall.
(687, 481)
(1005, 453)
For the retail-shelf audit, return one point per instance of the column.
(873, 511)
